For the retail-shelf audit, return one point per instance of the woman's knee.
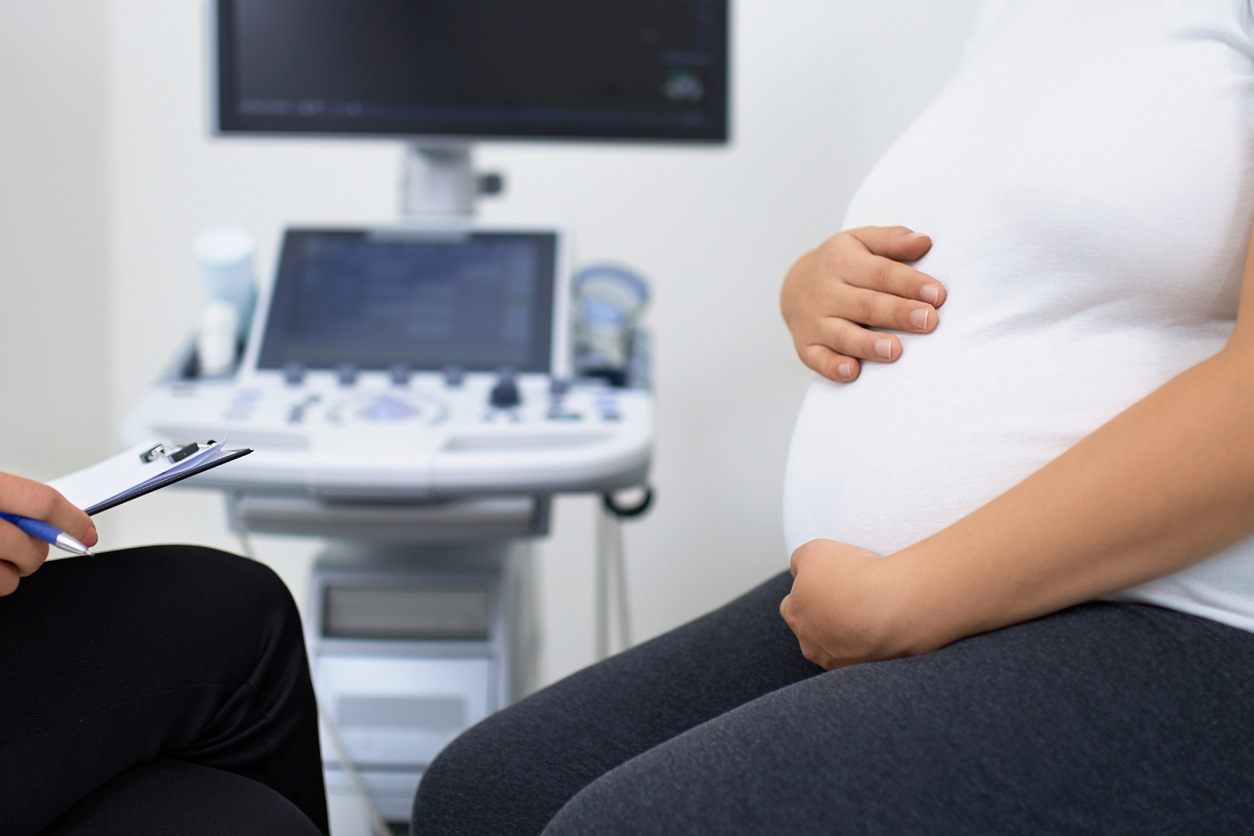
(448, 784)
(486, 781)
(205, 583)
(187, 606)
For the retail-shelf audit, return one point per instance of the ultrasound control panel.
(377, 439)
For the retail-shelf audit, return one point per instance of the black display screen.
(479, 300)
(609, 69)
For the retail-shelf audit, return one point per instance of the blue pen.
(47, 532)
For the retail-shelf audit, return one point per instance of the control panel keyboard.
(380, 436)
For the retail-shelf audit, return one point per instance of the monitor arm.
(439, 181)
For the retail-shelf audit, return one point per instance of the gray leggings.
(1101, 719)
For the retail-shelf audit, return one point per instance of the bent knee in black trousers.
(130, 667)
(1101, 719)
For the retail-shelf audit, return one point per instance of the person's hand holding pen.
(22, 553)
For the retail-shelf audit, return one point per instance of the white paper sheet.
(126, 475)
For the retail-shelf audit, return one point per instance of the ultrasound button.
(454, 376)
(399, 373)
(388, 409)
(293, 373)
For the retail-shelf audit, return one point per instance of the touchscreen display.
(376, 298)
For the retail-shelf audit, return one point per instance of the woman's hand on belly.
(834, 606)
(852, 282)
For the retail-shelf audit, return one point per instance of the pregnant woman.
(1021, 596)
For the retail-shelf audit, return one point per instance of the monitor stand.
(439, 182)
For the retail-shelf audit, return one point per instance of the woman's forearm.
(1163, 485)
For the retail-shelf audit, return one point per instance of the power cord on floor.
(377, 824)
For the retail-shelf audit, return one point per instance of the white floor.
(348, 817)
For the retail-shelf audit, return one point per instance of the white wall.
(53, 389)
(821, 87)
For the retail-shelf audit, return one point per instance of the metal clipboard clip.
(174, 453)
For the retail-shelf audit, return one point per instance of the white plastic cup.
(216, 339)
(608, 301)
(225, 256)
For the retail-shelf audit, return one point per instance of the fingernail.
(884, 348)
(846, 370)
(918, 318)
(930, 294)
(917, 235)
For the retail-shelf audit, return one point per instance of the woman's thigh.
(115, 660)
(165, 797)
(1103, 719)
(513, 771)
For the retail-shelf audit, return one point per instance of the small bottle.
(225, 256)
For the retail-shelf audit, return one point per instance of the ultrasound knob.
(346, 373)
(454, 376)
(399, 374)
(293, 373)
(505, 393)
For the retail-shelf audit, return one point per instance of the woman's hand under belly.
(829, 608)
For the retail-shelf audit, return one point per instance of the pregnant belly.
(911, 447)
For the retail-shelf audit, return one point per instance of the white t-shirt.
(1088, 182)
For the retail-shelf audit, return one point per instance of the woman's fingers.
(835, 346)
(852, 341)
(840, 345)
(840, 299)
(885, 272)
(896, 242)
(846, 260)
(902, 280)
(833, 366)
(873, 309)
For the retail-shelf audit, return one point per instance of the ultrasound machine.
(410, 389)
(407, 395)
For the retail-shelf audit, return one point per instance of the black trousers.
(1103, 719)
(156, 691)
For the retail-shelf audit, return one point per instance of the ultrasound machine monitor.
(443, 76)
(417, 300)
(475, 69)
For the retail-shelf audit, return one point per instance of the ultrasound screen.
(479, 300)
(612, 69)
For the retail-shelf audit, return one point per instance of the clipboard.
(140, 470)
